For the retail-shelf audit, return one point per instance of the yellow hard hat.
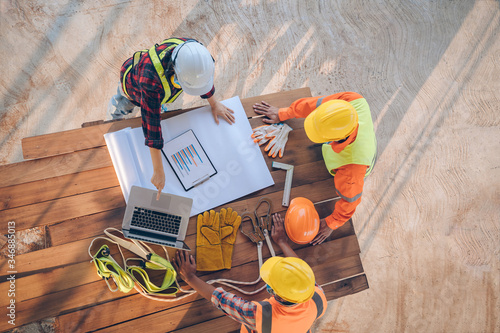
(331, 121)
(291, 278)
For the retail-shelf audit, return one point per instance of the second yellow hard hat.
(291, 278)
(331, 121)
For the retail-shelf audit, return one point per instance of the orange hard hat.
(301, 221)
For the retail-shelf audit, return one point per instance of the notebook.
(188, 160)
(162, 221)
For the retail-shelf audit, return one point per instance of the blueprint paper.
(241, 168)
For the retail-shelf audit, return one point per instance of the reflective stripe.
(155, 58)
(320, 100)
(267, 316)
(161, 73)
(349, 199)
(319, 304)
(370, 167)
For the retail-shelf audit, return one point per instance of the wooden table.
(69, 191)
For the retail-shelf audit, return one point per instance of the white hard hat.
(194, 67)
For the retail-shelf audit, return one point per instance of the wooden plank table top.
(68, 189)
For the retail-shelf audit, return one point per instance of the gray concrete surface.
(428, 224)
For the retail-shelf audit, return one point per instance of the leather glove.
(208, 246)
(277, 144)
(230, 223)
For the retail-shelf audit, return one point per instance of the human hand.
(278, 230)
(158, 180)
(270, 112)
(185, 265)
(220, 110)
(324, 232)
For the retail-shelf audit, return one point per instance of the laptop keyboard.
(153, 220)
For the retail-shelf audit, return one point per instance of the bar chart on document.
(188, 160)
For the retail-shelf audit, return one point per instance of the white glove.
(277, 144)
(260, 134)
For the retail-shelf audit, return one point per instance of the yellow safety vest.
(362, 151)
(156, 58)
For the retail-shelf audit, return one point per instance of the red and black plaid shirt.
(145, 89)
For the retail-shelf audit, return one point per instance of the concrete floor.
(428, 225)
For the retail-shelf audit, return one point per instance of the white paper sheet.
(241, 168)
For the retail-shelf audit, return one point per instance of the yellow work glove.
(208, 247)
(230, 223)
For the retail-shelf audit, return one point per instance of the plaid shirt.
(235, 307)
(145, 89)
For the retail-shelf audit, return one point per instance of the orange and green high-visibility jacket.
(350, 161)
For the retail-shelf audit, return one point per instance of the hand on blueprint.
(158, 180)
(220, 110)
(270, 112)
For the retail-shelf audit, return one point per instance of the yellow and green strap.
(108, 268)
(124, 279)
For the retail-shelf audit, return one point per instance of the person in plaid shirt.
(152, 78)
(296, 300)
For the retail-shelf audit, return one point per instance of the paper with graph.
(188, 159)
(241, 168)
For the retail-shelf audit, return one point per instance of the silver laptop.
(162, 221)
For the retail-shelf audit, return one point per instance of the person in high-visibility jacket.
(157, 76)
(343, 123)
(296, 300)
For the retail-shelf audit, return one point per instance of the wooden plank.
(92, 136)
(302, 174)
(44, 259)
(30, 171)
(84, 227)
(346, 287)
(280, 100)
(220, 324)
(57, 187)
(103, 315)
(62, 209)
(57, 303)
(46, 283)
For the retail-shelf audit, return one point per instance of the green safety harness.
(136, 277)
(129, 276)
(156, 60)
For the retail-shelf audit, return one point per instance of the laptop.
(162, 221)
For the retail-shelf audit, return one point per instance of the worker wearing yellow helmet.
(296, 300)
(343, 123)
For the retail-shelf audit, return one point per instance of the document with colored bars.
(189, 160)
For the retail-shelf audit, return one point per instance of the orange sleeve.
(302, 107)
(349, 181)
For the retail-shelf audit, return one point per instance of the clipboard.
(188, 160)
